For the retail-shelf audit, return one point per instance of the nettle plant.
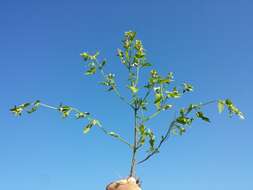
(146, 101)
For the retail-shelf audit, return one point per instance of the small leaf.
(91, 71)
(182, 130)
(103, 63)
(146, 64)
(151, 136)
(85, 56)
(158, 98)
(24, 105)
(65, 110)
(92, 123)
(36, 105)
(16, 110)
(142, 129)
(173, 94)
(80, 115)
(96, 122)
(32, 110)
(133, 89)
(221, 105)
(87, 128)
(202, 116)
(233, 109)
(184, 120)
(113, 134)
(187, 87)
(167, 106)
(192, 107)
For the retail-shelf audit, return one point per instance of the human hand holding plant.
(146, 101)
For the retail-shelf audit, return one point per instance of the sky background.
(207, 43)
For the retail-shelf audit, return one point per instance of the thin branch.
(153, 115)
(164, 138)
(160, 144)
(48, 106)
(118, 137)
(90, 119)
(114, 88)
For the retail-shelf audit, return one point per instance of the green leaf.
(16, 110)
(146, 64)
(142, 129)
(65, 110)
(85, 56)
(151, 136)
(182, 130)
(36, 105)
(96, 122)
(233, 109)
(187, 87)
(173, 94)
(113, 134)
(192, 107)
(164, 80)
(80, 115)
(25, 105)
(158, 98)
(92, 123)
(91, 71)
(102, 64)
(133, 89)
(154, 74)
(167, 106)
(87, 128)
(184, 120)
(120, 53)
(221, 105)
(94, 57)
(202, 116)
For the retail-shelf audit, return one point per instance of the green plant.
(157, 92)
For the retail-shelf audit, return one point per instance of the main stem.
(133, 164)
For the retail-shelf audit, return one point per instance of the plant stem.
(133, 164)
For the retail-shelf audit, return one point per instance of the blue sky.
(208, 43)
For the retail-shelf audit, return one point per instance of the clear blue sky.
(208, 43)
